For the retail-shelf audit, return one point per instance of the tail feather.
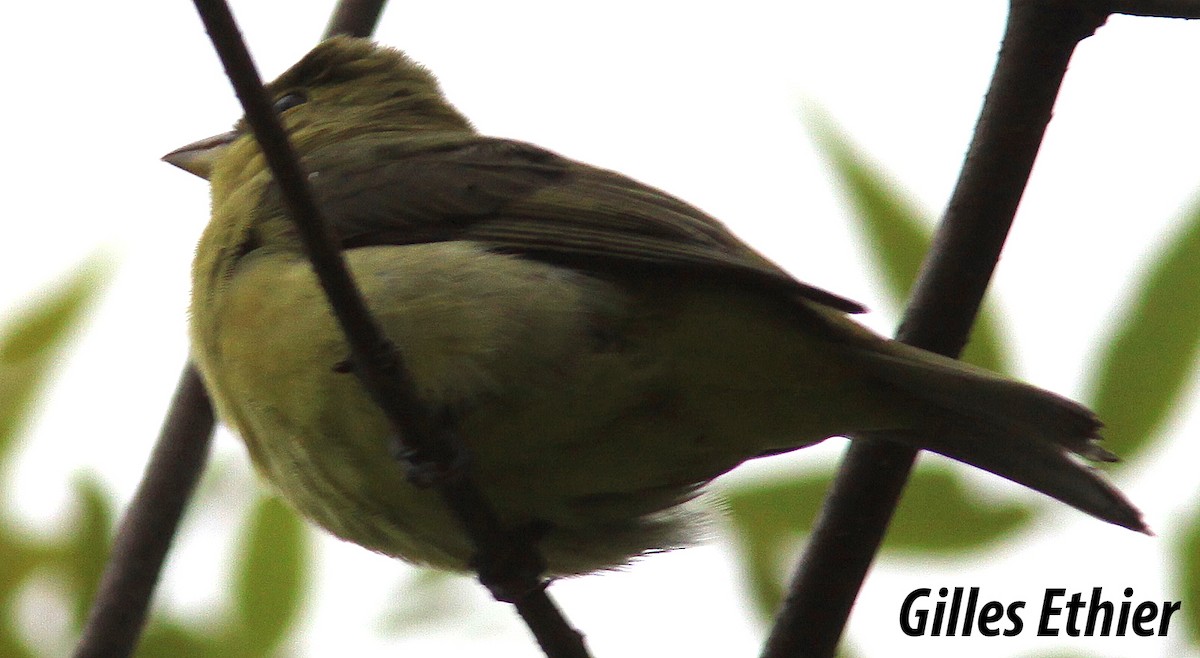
(1017, 431)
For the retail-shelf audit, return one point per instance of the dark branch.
(510, 567)
(355, 18)
(1038, 42)
(1160, 8)
(118, 613)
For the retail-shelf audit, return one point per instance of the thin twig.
(1038, 42)
(118, 612)
(509, 566)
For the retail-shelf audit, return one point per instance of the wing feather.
(522, 199)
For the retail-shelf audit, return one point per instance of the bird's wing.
(525, 200)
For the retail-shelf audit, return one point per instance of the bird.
(602, 349)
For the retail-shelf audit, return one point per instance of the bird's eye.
(289, 100)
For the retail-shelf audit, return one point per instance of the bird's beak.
(198, 157)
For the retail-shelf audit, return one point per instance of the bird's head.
(343, 88)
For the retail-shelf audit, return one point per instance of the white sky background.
(699, 99)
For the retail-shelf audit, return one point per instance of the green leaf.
(431, 598)
(32, 343)
(1148, 362)
(274, 565)
(768, 519)
(937, 515)
(11, 645)
(168, 639)
(1187, 551)
(896, 232)
(88, 548)
(21, 557)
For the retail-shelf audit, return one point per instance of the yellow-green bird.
(603, 349)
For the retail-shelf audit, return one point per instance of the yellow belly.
(589, 409)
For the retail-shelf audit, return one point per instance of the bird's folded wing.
(525, 200)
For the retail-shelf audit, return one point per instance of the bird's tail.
(1019, 432)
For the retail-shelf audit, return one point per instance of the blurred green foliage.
(31, 346)
(428, 598)
(1187, 554)
(897, 235)
(1145, 368)
(1150, 358)
(770, 518)
(273, 558)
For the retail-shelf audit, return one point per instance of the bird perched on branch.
(602, 349)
